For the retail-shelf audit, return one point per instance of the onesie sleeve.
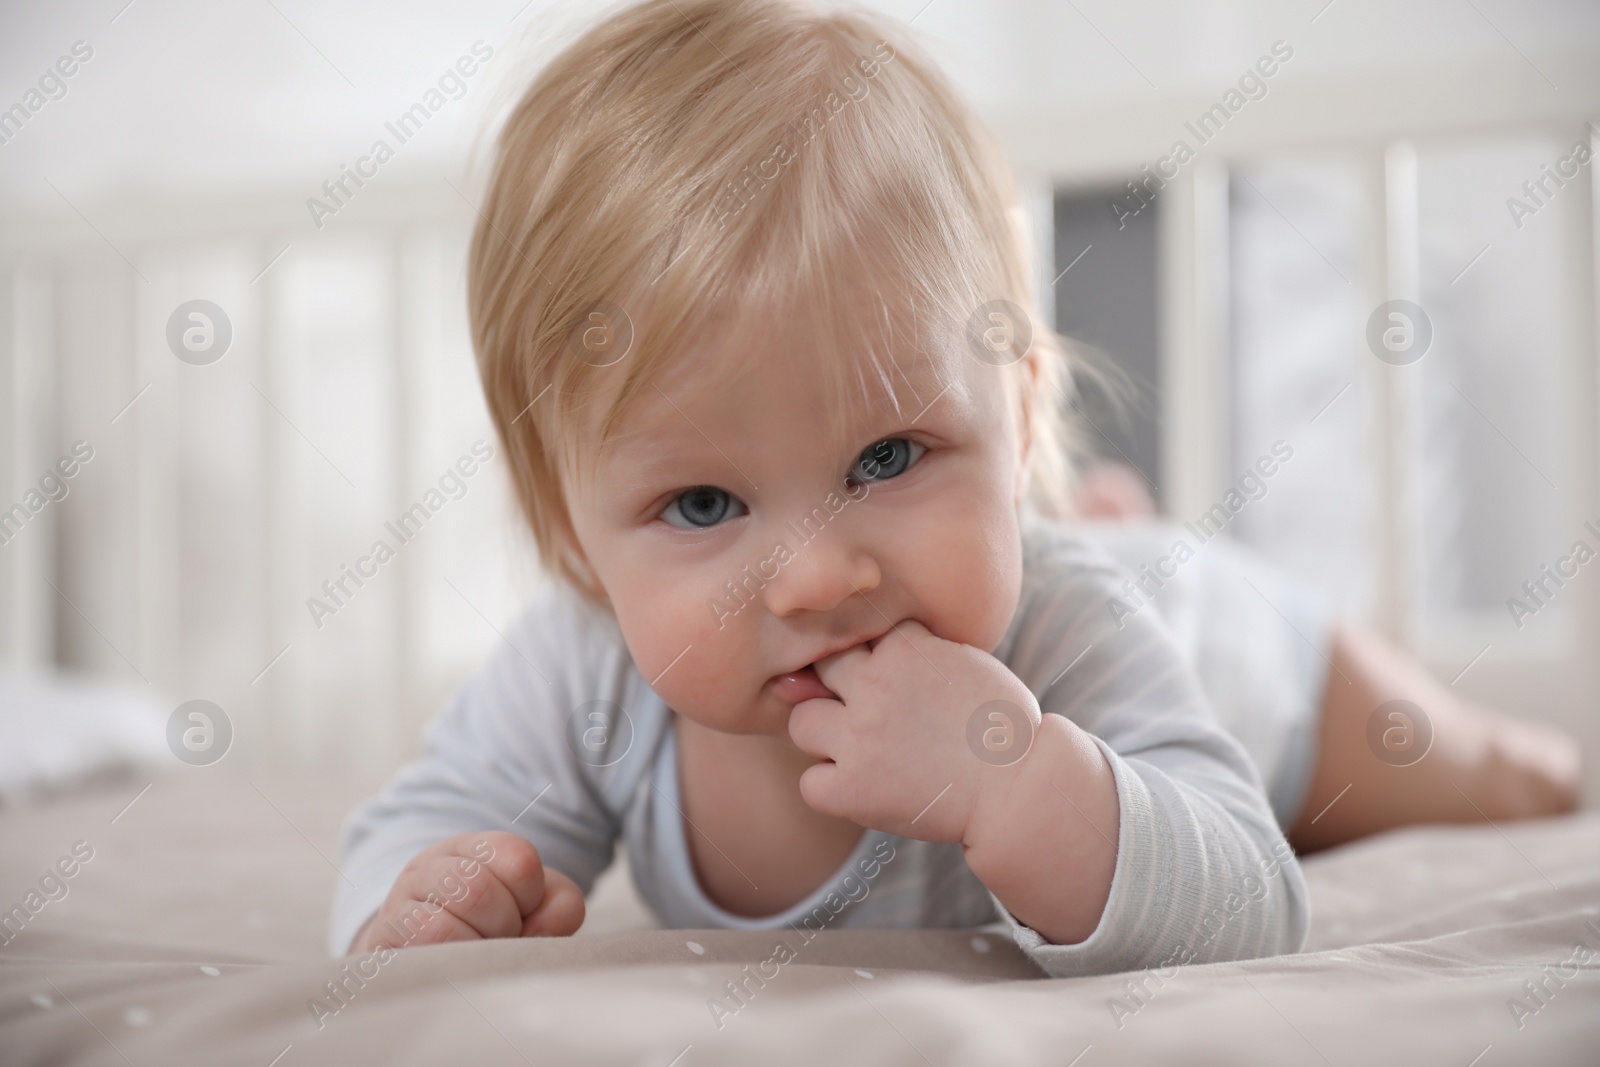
(1203, 873)
(503, 754)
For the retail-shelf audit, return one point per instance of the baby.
(751, 302)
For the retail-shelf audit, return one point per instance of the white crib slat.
(1193, 257)
(332, 414)
(158, 500)
(28, 559)
(278, 685)
(220, 614)
(1395, 428)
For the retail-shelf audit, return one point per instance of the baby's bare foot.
(1532, 770)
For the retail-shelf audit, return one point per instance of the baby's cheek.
(695, 661)
(708, 687)
(971, 593)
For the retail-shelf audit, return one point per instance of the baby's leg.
(1483, 764)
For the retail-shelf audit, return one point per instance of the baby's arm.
(1052, 869)
(496, 766)
(1133, 833)
(1201, 869)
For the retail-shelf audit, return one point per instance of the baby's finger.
(811, 726)
(561, 912)
(820, 788)
(480, 901)
(406, 923)
(907, 634)
(839, 670)
(516, 864)
(907, 628)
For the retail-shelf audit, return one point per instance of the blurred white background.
(177, 161)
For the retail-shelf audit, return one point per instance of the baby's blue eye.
(888, 458)
(700, 507)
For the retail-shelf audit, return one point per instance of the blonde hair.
(686, 162)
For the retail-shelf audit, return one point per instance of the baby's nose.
(821, 574)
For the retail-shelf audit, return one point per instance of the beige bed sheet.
(194, 935)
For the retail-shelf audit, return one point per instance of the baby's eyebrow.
(666, 438)
(644, 454)
(660, 453)
(917, 383)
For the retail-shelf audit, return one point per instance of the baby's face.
(825, 547)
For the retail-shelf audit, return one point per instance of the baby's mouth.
(801, 685)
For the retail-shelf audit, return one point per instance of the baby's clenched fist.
(477, 885)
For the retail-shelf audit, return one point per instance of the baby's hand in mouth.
(893, 724)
